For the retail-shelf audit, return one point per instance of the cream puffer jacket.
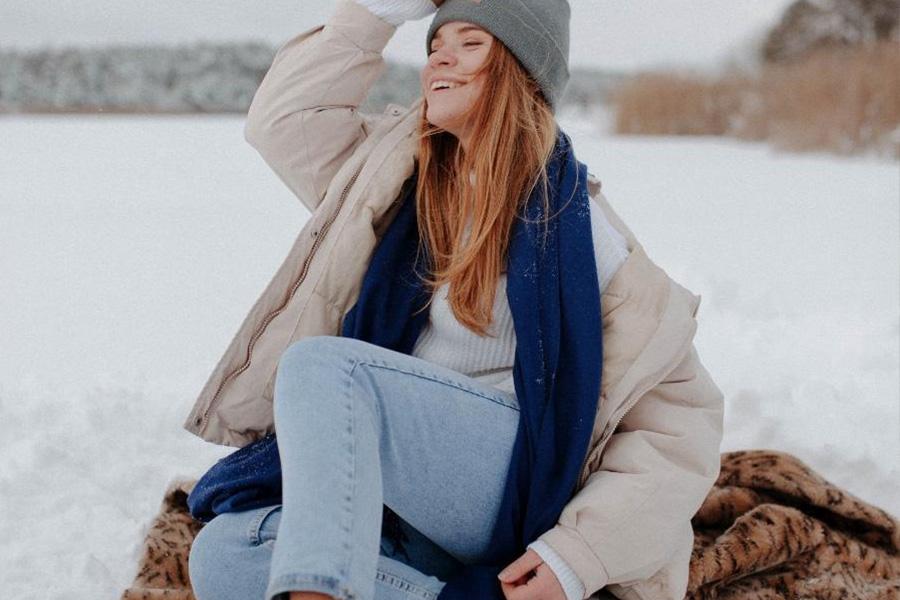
(654, 451)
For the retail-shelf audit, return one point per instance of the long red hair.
(516, 132)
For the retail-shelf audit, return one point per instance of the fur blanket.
(771, 528)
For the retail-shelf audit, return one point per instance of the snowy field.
(131, 249)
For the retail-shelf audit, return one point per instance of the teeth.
(440, 83)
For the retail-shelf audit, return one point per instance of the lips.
(450, 79)
(446, 89)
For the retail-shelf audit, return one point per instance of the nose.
(442, 56)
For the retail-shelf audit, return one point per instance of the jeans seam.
(256, 523)
(409, 586)
(348, 499)
(320, 583)
(437, 380)
(378, 416)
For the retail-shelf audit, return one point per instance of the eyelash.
(430, 52)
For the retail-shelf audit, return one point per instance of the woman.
(451, 416)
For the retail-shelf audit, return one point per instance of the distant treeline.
(808, 27)
(196, 78)
(829, 79)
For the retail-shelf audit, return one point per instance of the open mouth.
(447, 89)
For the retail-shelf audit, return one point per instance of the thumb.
(519, 567)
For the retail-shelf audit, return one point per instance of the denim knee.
(309, 350)
(202, 561)
(215, 549)
(313, 357)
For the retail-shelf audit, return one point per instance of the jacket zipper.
(611, 430)
(199, 421)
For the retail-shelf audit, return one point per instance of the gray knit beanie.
(535, 31)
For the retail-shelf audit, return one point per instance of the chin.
(444, 119)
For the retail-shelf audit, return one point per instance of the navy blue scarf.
(554, 298)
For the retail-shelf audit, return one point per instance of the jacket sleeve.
(654, 474)
(303, 119)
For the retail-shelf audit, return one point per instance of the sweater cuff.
(396, 12)
(578, 555)
(567, 578)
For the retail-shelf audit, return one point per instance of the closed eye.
(433, 50)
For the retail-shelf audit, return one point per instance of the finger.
(515, 591)
(521, 566)
(523, 589)
(532, 558)
(513, 571)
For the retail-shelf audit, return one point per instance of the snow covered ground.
(132, 247)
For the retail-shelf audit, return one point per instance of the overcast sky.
(620, 35)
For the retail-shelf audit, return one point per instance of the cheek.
(474, 90)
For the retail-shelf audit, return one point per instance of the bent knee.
(314, 357)
(311, 351)
(202, 558)
(214, 551)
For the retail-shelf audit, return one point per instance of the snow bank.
(131, 249)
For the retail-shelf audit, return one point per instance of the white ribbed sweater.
(445, 341)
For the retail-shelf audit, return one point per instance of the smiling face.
(458, 50)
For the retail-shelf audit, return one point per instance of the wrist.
(568, 579)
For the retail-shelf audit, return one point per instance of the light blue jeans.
(360, 426)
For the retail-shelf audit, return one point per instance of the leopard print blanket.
(771, 528)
